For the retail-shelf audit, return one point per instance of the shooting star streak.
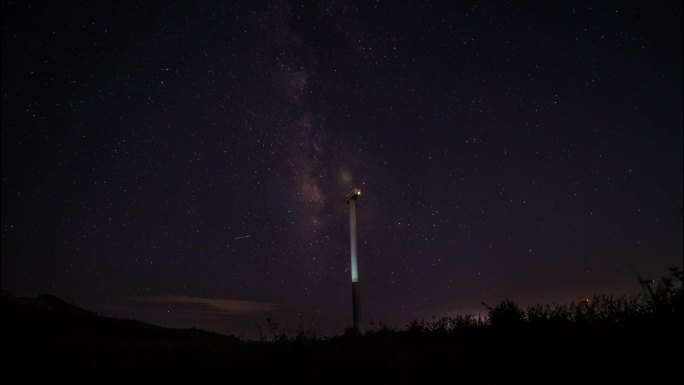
(242, 236)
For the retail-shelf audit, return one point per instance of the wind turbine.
(356, 310)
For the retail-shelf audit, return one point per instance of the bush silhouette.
(667, 299)
(506, 315)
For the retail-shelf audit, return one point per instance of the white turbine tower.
(356, 311)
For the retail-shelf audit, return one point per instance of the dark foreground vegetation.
(607, 340)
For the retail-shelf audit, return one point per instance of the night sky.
(186, 163)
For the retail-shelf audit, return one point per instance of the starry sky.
(186, 163)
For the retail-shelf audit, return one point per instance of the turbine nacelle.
(353, 195)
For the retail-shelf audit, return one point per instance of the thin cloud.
(218, 305)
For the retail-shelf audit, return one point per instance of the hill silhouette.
(606, 340)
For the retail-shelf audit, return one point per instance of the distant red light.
(585, 300)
